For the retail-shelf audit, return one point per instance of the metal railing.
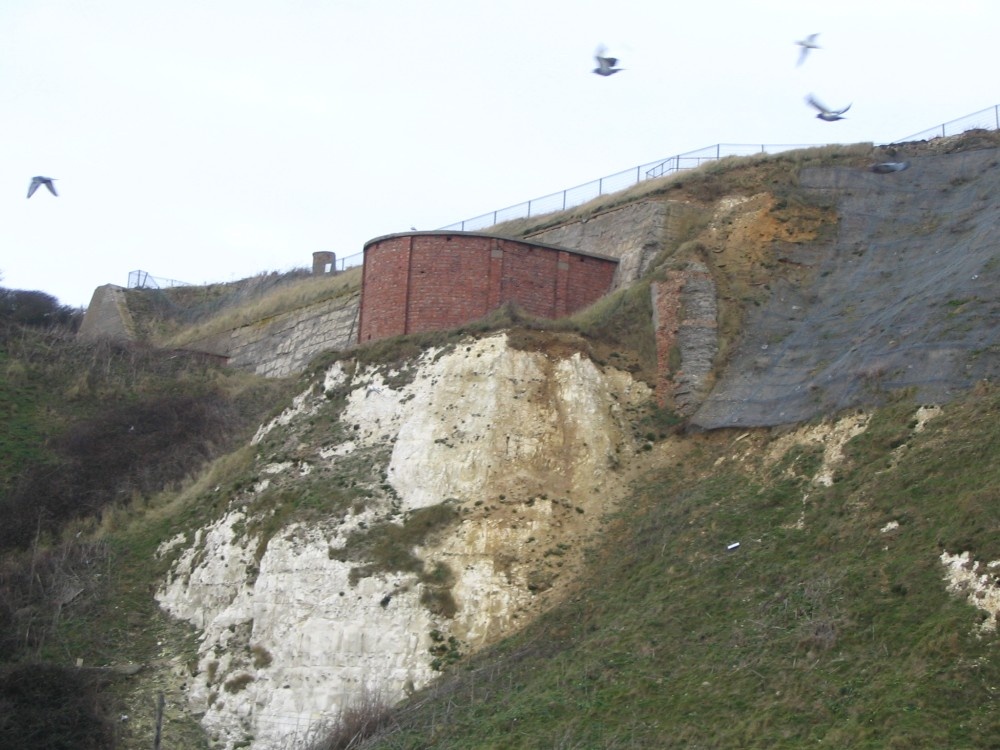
(350, 261)
(145, 280)
(580, 194)
(984, 119)
(988, 119)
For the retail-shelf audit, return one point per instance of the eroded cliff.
(398, 519)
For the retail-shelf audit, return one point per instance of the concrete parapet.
(107, 316)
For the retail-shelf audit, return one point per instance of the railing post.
(673, 164)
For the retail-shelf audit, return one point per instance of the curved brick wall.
(428, 281)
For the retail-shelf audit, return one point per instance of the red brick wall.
(435, 280)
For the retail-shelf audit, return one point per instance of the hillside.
(528, 533)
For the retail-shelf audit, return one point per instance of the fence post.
(600, 186)
(159, 720)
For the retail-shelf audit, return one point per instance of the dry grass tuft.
(281, 299)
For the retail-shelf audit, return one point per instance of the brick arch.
(428, 281)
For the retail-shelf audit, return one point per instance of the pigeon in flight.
(806, 44)
(605, 65)
(825, 113)
(37, 182)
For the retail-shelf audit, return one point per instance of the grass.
(97, 471)
(728, 176)
(834, 634)
(388, 546)
(298, 291)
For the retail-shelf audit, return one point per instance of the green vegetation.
(827, 625)
(388, 546)
(731, 175)
(99, 441)
(174, 317)
(832, 632)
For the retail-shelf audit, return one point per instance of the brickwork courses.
(686, 329)
(430, 281)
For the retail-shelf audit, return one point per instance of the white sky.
(209, 140)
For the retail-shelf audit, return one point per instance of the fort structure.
(426, 281)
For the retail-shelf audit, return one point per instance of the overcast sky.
(210, 140)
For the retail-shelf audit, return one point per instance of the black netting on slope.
(905, 297)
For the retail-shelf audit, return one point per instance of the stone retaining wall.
(634, 234)
(685, 322)
(285, 344)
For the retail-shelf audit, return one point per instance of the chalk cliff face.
(398, 519)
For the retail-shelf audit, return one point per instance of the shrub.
(356, 721)
(42, 705)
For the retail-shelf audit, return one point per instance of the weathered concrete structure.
(107, 316)
(284, 344)
(634, 233)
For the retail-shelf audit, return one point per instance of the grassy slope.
(176, 317)
(816, 635)
(92, 432)
(836, 634)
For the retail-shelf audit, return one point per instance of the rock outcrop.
(450, 502)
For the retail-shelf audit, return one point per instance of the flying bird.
(37, 182)
(605, 65)
(825, 113)
(806, 44)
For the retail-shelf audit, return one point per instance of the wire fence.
(146, 280)
(987, 119)
(580, 194)
(349, 261)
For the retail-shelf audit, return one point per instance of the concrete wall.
(430, 281)
(284, 344)
(634, 234)
(107, 316)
